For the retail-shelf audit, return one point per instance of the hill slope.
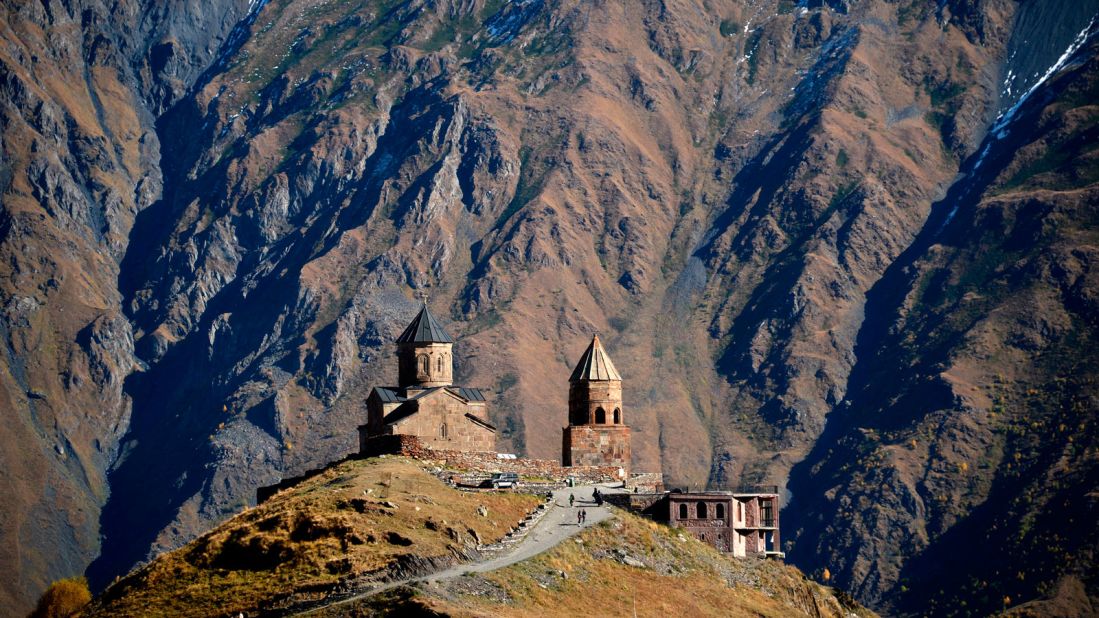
(215, 214)
(379, 519)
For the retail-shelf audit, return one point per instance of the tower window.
(683, 511)
(425, 365)
(600, 416)
(617, 416)
(443, 432)
(439, 365)
(701, 508)
(719, 511)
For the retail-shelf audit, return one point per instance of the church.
(597, 434)
(426, 403)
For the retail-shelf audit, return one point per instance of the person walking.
(572, 499)
(579, 517)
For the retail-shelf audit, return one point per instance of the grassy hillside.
(626, 566)
(356, 519)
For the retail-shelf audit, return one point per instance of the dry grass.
(588, 578)
(331, 527)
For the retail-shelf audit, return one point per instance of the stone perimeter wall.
(487, 462)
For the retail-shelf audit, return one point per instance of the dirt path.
(558, 524)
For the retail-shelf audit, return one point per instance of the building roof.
(424, 329)
(406, 409)
(595, 364)
(388, 395)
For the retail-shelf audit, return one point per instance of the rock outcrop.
(213, 216)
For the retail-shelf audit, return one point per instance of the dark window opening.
(683, 511)
(701, 508)
(617, 416)
(600, 416)
(719, 511)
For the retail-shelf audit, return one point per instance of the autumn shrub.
(63, 598)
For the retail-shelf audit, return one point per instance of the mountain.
(796, 225)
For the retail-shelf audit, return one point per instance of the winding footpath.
(557, 525)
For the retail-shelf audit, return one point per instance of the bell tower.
(425, 356)
(597, 434)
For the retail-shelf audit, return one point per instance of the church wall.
(586, 397)
(461, 433)
(586, 445)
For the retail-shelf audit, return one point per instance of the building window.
(425, 365)
(719, 511)
(683, 511)
(767, 513)
(439, 365)
(701, 508)
(442, 431)
(617, 416)
(740, 509)
(600, 416)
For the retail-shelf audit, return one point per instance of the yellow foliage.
(64, 598)
(826, 575)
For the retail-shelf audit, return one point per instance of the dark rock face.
(213, 216)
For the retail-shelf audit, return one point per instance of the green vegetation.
(841, 158)
(729, 27)
(751, 49)
(842, 193)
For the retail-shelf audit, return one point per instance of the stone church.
(597, 434)
(425, 403)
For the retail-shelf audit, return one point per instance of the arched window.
(600, 416)
(617, 416)
(701, 508)
(719, 511)
(442, 431)
(740, 510)
(683, 511)
(439, 365)
(425, 365)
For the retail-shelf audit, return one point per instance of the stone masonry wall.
(585, 445)
(484, 462)
(462, 434)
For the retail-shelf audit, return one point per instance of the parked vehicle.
(502, 480)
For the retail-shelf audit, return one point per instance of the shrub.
(63, 598)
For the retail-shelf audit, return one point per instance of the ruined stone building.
(426, 403)
(742, 523)
(597, 434)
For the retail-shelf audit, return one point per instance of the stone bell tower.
(597, 434)
(425, 356)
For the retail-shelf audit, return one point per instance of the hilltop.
(841, 247)
(323, 545)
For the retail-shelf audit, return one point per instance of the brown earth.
(210, 240)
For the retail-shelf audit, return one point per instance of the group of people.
(582, 514)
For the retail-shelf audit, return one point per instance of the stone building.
(742, 523)
(597, 434)
(426, 403)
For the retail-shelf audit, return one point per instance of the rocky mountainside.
(789, 219)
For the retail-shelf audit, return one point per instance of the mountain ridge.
(219, 256)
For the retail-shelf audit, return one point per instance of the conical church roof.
(424, 329)
(595, 364)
